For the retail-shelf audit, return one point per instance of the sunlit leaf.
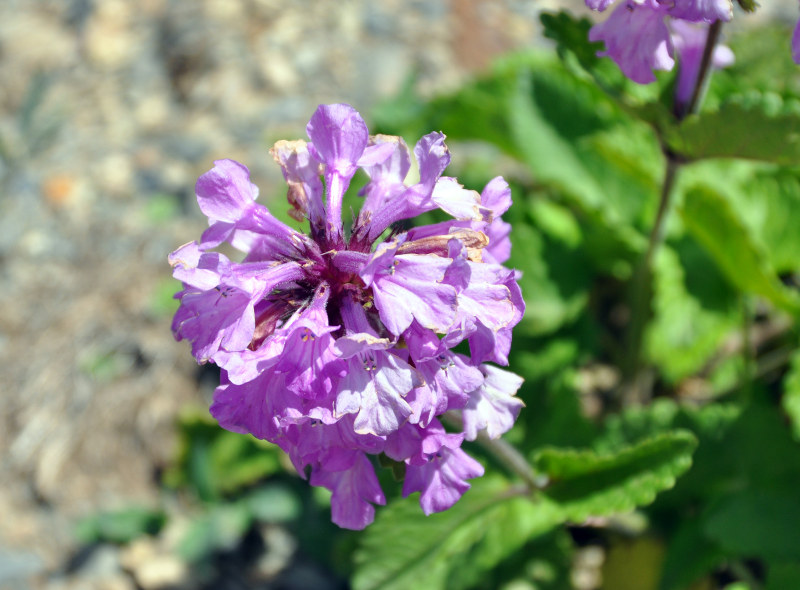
(585, 483)
(713, 222)
(404, 549)
(738, 130)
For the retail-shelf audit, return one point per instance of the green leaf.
(713, 222)
(684, 333)
(644, 101)
(777, 194)
(736, 130)
(757, 522)
(554, 293)
(405, 550)
(748, 5)
(585, 483)
(791, 394)
(572, 35)
(219, 529)
(690, 555)
(216, 462)
(782, 575)
(273, 503)
(121, 526)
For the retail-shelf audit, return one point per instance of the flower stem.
(511, 458)
(505, 453)
(703, 74)
(633, 389)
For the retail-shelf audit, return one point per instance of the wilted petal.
(302, 174)
(452, 198)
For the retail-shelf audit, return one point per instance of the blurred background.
(109, 111)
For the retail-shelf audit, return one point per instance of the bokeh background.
(109, 110)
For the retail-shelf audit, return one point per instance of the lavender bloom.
(336, 345)
(690, 40)
(796, 44)
(637, 36)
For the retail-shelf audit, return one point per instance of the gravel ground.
(109, 110)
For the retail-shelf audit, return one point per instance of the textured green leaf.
(585, 483)
(649, 102)
(405, 550)
(739, 131)
(572, 34)
(712, 221)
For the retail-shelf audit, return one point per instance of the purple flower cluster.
(338, 346)
(645, 35)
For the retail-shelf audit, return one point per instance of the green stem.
(642, 284)
(633, 387)
(511, 458)
(702, 75)
(505, 453)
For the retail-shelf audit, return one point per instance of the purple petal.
(499, 249)
(225, 192)
(354, 491)
(599, 5)
(253, 407)
(496, 196)
(492, 407)
(339, 136)
(195, 268)
(432, 157)
(796, 44)
(386, 178)
(706, 11)
(374, 389)
(441, 477)
(689, 41)
(636, 39)
(408, 287)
